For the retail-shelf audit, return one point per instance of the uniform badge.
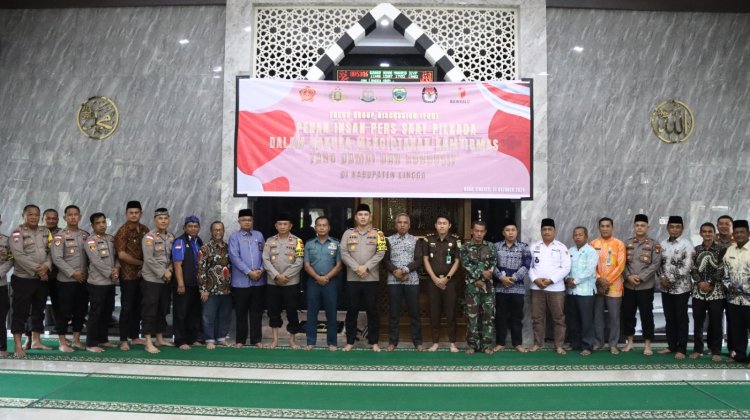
(58, 241)
(353, 247)
(536, 260)
(273, 258)
(72, 251)
(149, 242)
(225, 273)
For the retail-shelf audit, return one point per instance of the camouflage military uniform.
(480, 303)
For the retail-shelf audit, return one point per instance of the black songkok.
(283, 217)
(363, 207)
(675, 219)
(548, 222)
(133, 205)
(245, 213)
(739, 224)
(640, 218)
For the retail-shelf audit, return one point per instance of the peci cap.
(133, 204)
(640, 218)
(675, 220)
(363, 207)
(548, 222)
(245, 213)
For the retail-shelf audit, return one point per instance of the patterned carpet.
(286, 383)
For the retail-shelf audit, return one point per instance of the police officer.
(440, 251)
(29, 244)
(362, 249)
(157, 273)
(6, 263)
(283, 257)
(643, 255)
(478, 258)
(69, 257)
(104, 272)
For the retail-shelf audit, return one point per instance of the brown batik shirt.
(128, 239)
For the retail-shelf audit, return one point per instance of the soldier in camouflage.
(478, 257)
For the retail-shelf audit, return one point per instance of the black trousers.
(286, 298)
(186, 315)
(579, 317)
(715, 311)
(130, 309)
(643, 302)
(248, 308)
(154, 307)
(4, 308)
(740, 316)
(676, 315)
(100, 313)
(730, 330)
(29, 299)
(397, 294)
(362, 293)
(72, 304)
(509, 312)
(445, 301)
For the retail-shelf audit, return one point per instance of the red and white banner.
(345, 139)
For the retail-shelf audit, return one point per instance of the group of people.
(592, 290)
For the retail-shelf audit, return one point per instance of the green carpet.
(359, 400)
(400, 360)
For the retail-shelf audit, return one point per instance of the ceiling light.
(385, 22)
(577, 49)
(248, 29)
(184, 41)
(216, 69)
(385, 64)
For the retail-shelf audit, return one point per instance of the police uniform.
(102, 258)
(441, 254)
(68, 256)
(283, 256)
(643, 258)
(30, 248)
(365, 248)
(6, 263)
(157, 260)
(480, 303)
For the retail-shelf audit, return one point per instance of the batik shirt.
(708, 266)
(583, 263)
(676, 262)
(737, 278)
(404, 254)
(214, 273)
(128, 239)
(512, 261)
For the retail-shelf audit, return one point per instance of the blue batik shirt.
(583, 270)
(512, 261)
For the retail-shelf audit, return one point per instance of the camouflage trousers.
(480, 315)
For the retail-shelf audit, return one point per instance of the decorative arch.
(403, 25)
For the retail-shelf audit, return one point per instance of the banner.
(416, 140)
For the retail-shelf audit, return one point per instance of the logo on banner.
(429, 94)
(399, 94)
(337, 95)
(368, 95)
(307, 94)
(461, 97)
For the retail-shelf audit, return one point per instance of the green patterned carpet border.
(400, 360)
(259, 398)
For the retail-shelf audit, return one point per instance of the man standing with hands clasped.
(157, 273)
(363, 247)
(549, 266)
(478, 258)
(440, 252)
(609, 270)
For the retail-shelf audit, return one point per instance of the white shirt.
(549, 262)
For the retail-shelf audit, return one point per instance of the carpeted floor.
(361, 384)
